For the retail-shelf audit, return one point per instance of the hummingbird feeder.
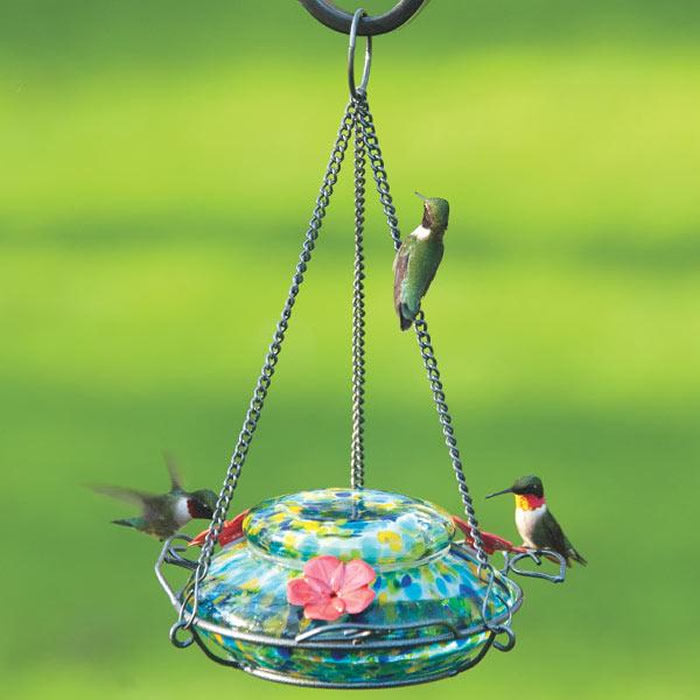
(353, 587)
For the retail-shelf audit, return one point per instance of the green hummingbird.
(164, 514)
(418, 258)
(536, 524)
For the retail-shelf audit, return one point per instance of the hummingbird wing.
(415, 267)
(400, 271)
(175, 478)
(432, 269)
(556, 539)
(139, 498)
(157, 509)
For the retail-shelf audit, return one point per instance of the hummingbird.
(164, 514)
(418, 258)
(536, 524)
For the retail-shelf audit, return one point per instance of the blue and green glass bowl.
(425, 621)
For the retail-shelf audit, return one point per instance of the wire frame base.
(461, 647)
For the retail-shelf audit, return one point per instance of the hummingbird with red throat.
(535, 522)
(162, 515)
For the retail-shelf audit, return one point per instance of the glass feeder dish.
(432, 614)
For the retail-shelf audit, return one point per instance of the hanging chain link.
(430, 363)
(374, 153)
(357, 448)
(245, 437)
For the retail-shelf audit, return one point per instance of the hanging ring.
(509, 643)
(339, 20)
(180, 643)
(360, 91)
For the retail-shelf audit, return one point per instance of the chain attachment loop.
(357, 92)
(180, 643)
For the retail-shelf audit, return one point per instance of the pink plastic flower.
(329, 588)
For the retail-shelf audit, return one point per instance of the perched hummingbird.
(536, 525)
(164, 514)
(418, 258)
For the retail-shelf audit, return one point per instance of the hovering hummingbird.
(164, 514)
(418, 258)
(536, 525)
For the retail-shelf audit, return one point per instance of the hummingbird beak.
(500, 493)
(418, 194)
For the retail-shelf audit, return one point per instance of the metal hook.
(510, 641)
(341, 21)
(356, 92)
(180, 643)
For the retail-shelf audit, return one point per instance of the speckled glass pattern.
(379, 527)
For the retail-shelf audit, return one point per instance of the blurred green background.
(160, 161)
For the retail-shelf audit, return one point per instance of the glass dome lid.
(383, 529)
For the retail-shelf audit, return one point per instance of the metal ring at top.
(362, 89)
(339, 20)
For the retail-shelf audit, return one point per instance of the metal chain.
(364, 117)
(430, 363)
(357, 449)
(245, 437)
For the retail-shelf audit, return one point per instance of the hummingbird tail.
(126, 522)
(577, 557)
(404, 321)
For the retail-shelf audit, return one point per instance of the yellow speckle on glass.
(390, 538)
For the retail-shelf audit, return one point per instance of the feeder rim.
(341, 21)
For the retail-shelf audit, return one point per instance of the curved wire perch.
(170, 554)
(536, 556)
(333, 17)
